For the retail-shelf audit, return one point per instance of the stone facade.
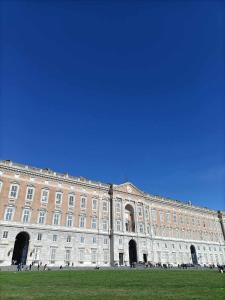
(58, 219)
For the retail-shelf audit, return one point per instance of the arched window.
(129, 218)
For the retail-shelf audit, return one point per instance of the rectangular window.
(44, 196)
(68, 255)
(71, 200)
(147, 213)
(69, 221)
(105, 256)
(68, 239)
(94, 204)
(94, 240)
(56, 219)
(5, 234)
(81, 255)
(120, 241)
(141, 228)
(93, 256)
(82, 221)
(13, 191)
(94, 223)
(139, 211)
(30, 193)
(83, 202)
(82, 239)
(39, 236)
(41, 218)
(105, 241)
(175, 218)
(54, 238)
(52, 255)
(104, 206)
(161, 216)
(37, 253)
(9, 214)
(118, 207)
(167, 217)
(118, 225)
(26, 215)
(105, 225)
(154, 215)
(58, 198)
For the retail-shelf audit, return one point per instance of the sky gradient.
(118, 92)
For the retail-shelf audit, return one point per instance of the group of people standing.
(20, 267)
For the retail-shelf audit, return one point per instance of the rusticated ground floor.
(60, 247)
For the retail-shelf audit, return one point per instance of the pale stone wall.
(165, 229)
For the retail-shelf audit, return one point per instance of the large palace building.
(57, 219)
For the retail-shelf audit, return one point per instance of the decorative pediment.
(129, 188)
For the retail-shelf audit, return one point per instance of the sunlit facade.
(57, 219)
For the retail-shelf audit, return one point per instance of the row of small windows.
(68, 238)
(167, 217)
(81, 255)
(14, 190)
(56, 218)
(204, 248)
(69, 220)
(105, 242)
(68, 255)
(141, 227)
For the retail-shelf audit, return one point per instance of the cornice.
(64, 178)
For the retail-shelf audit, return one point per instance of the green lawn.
(113, 284)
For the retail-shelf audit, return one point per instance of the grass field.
(113, 284)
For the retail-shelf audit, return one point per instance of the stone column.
(111, 235)
(220, 216)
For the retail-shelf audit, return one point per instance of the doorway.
(194, 255)
(21, 248)
(145, 258)
(120, 259)
(132, 252)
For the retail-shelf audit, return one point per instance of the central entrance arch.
(129, 218)
(132, 252)
(194, 255)
(21, 248)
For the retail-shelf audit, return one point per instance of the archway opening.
(129, 218)
(21, 248)
(194, 255)
(132, 252)
(145, 258)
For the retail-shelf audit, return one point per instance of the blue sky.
(118, 91)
